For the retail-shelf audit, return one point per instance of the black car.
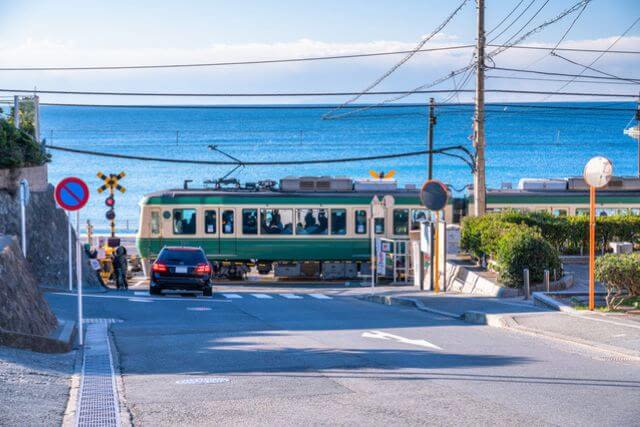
(181, 268)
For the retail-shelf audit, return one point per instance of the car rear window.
(181, 256)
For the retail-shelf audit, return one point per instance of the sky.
(82, 33)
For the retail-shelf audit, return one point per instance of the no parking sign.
(72, 194)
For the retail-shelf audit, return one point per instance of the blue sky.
(123, 32)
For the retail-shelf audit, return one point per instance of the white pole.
(70, 251)
(16, 111)
(373, 253)
(23, 221)
(79, 276)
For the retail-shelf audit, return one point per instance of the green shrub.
(620, 275)
(18, 149)
(524, 247)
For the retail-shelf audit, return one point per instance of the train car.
(567, 196)
(301, 227)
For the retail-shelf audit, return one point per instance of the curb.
(410, 302)
(60, 340)
(542, 300)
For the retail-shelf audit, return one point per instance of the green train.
(309, 226)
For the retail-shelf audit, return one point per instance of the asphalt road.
(278, 360)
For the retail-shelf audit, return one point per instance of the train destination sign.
(434, 195)
(72, 194)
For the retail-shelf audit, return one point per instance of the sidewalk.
(610, 333)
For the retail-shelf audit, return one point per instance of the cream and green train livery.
(301, 220)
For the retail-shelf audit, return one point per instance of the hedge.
(523, 247)
(620, 275)
(568, 235)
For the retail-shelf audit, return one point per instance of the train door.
(211, 241)
(228, 231)
(154, 231)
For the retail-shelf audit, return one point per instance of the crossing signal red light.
(110, 201)
(110, 215)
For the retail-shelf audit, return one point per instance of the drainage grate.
(98, 401)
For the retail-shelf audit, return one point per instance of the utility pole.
(479, 178)
(638, 132)
(16, 111)
(432, 123)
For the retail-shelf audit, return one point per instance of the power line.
(505, 18)
(513, 22)
(588, 67)
(599, 56)
(551, 73)
(229, 163)
(540, 79)
(303, 59)
(380, 79)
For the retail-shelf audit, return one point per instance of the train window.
(276, 221)
(184, 221)
(379, 225)
(312, 221)
(559, 212)
(227, 221)
(582, 211)
(400, 221)
(634, 211)
(339, 222)
(360, 221)
(210, 219)
(155, 222)
(417, 216)
(249, 221)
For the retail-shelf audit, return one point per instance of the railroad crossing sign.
(111, 182)
(72, 194)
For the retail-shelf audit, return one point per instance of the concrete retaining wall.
(37, 177)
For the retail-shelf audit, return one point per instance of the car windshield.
(181, 256)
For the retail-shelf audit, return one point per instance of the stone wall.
(46, 237)
(23, 309)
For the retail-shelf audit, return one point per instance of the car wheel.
(207, 291)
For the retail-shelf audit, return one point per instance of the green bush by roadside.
(620, 275)
(524, 247)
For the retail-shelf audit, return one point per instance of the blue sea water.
(521, 142)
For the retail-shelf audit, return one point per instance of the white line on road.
(385, 336)
(291, 296)
(140, 293)
(262, 296)
(140, 300)
(319, 296)
(203, 300)
(232, 296)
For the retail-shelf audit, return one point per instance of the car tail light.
(158, 267)
(203, 268)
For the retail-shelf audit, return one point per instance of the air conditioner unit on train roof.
(316, 183)
(376, 184)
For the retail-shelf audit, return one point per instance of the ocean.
(541, 140)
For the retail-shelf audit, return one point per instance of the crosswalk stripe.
(140, 293)
(291, 296)
(232, 296)
(319, 296)
(262, 296)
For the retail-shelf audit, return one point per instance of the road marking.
(291, 296)
(319, 296)
(262, 296)
(619, 335)
(140, 293)
(140, 300)
(198, 308)
(386, 336)
(232, 296)
(161, 299)
(214, 380)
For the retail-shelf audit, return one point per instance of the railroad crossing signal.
(111, 183)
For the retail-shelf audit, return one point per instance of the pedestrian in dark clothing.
(120, 267)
